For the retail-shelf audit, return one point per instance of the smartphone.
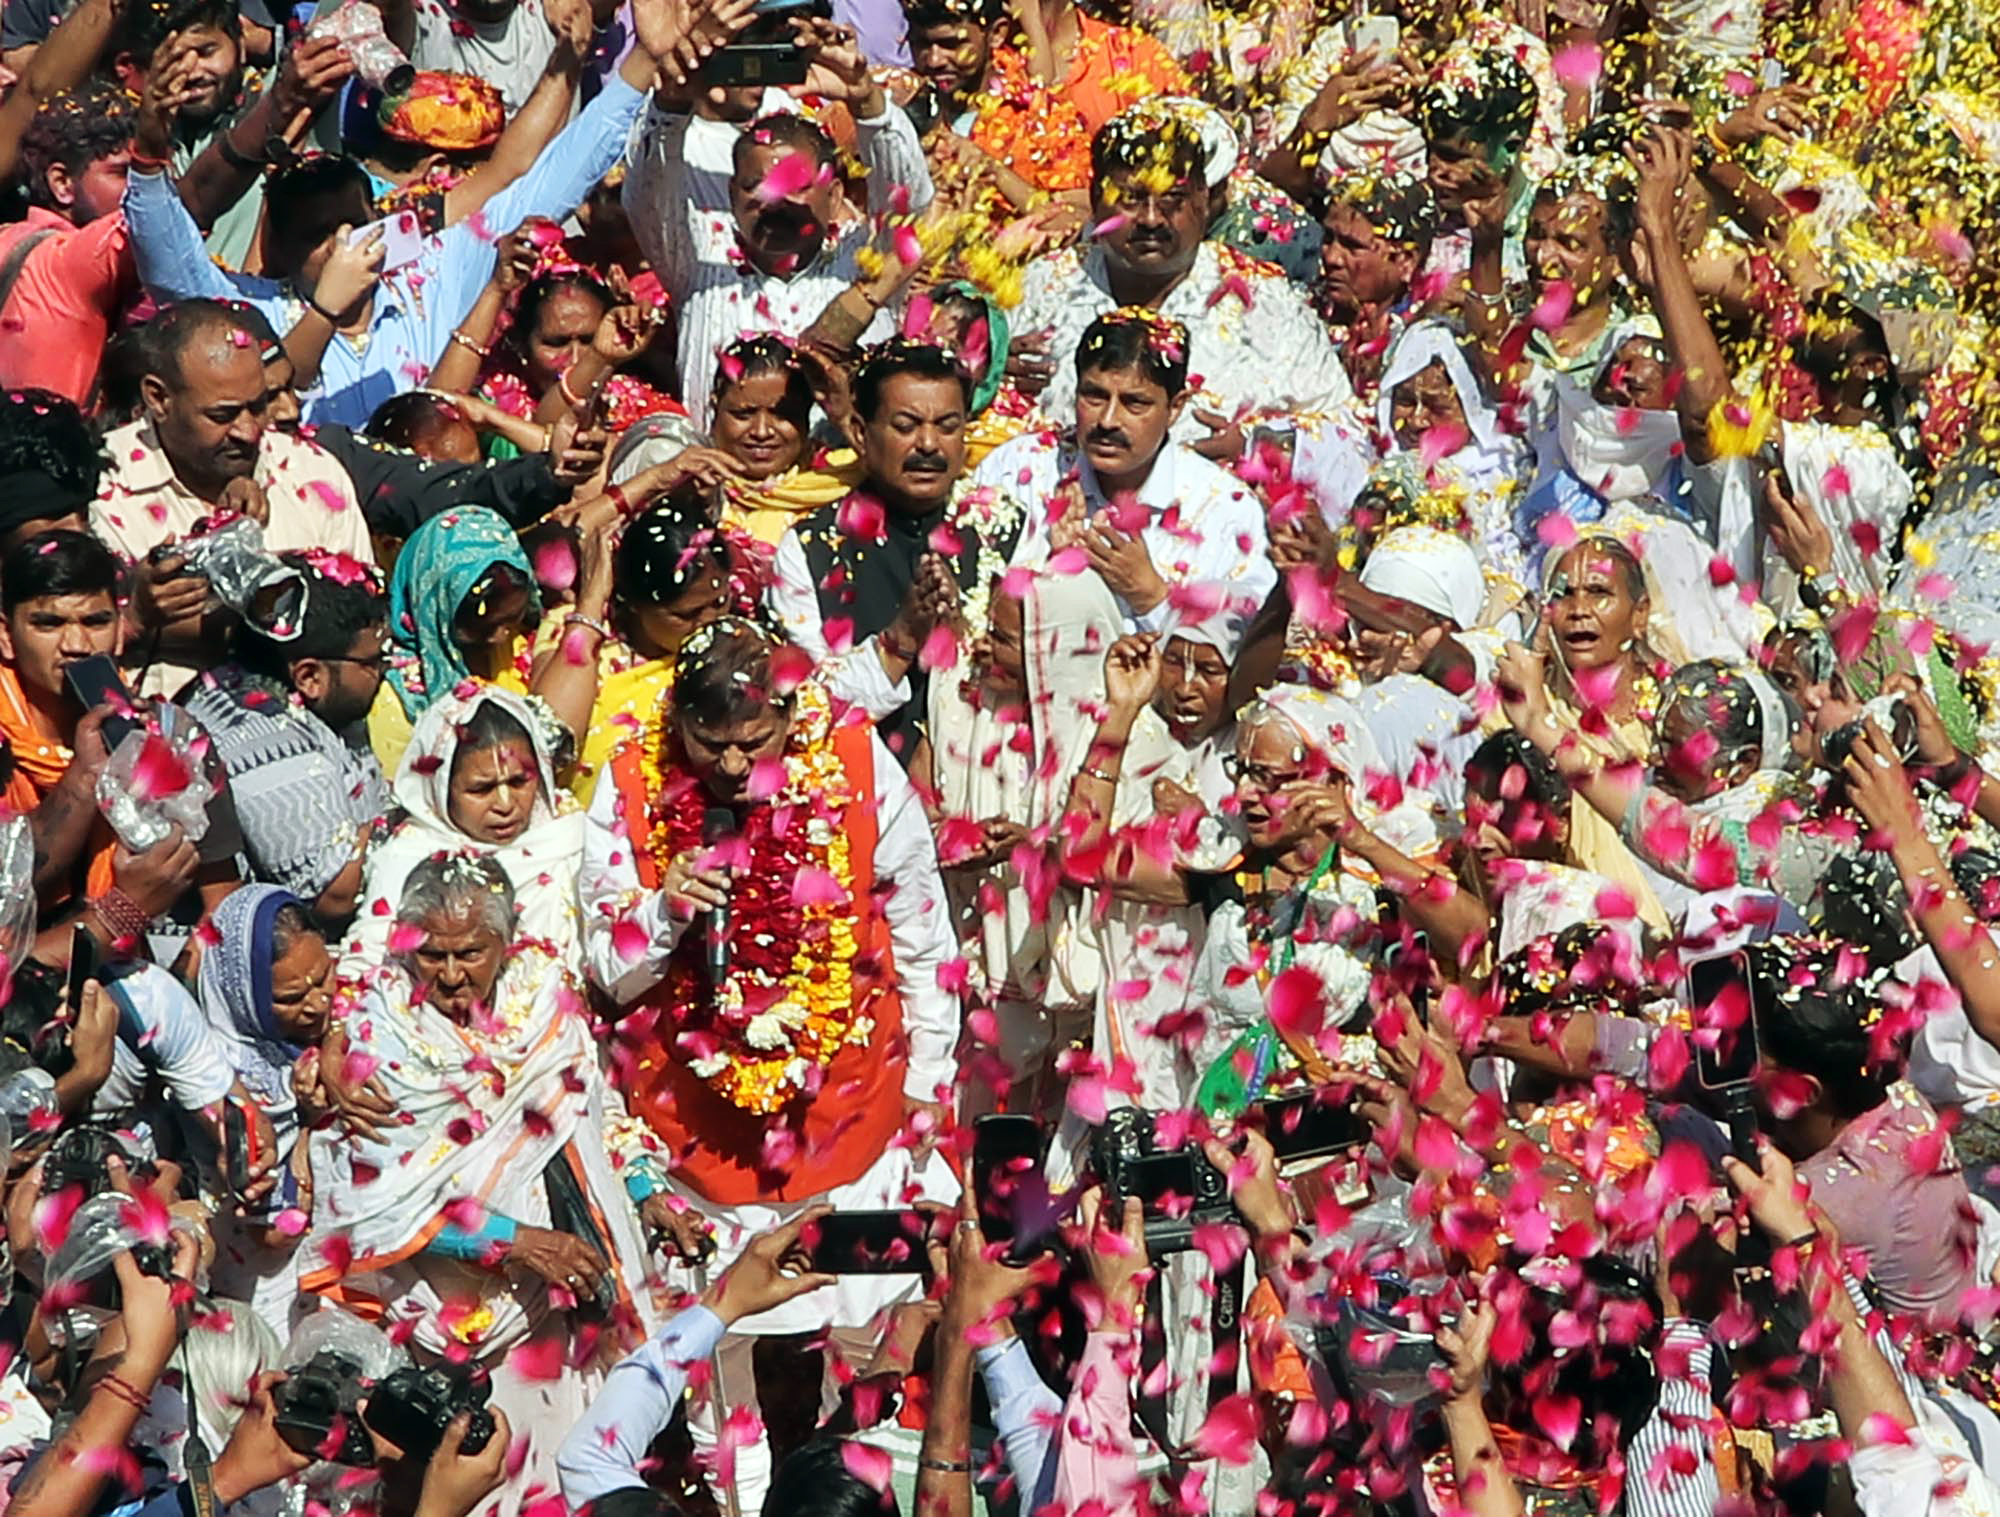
(1310, 1127)
(95, 681)
(766, 52)
(402, 238)
(239, 1145)
(871, 1242)
(1408, 963)
(1725, 979)
(83, 967)
(1010, 1187)
(1384, 34)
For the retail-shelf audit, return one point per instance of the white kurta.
(912, 900)
(692, 244)
(1254, 345)
(1204, 527)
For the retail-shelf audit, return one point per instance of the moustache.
(927, 461)
(1107, 437)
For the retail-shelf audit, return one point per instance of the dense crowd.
(837, 757)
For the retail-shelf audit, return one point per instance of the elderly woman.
(267, 991)
(478, 777)
(494, 1217)
(1721, 809)
(1154, 784)
(796, 1048)
(1317, 845)
(1432, 419)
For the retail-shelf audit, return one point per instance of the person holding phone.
(58, 613)
(818, 901)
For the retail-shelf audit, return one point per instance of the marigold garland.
(787, 1007)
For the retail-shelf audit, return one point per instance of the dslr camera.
(412, 1407)
(319, 1410)
(1179, 1188)
(80, 1156)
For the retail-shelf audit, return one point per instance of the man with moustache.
(862, 584)
(1256, 348)
(778, 257)
(204, 447)
(1172, 535)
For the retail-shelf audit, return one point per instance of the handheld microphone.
(717, 823)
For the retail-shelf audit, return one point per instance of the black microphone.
(717, 823)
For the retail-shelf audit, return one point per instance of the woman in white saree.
(494, 1215)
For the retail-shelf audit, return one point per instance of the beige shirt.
(140, 505)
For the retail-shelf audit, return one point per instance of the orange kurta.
(717, 1148)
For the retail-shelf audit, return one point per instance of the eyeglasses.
(1261, 775)
(379, 663)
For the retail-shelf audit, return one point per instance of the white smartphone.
(1382, 33)
(402, 238)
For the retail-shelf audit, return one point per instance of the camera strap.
(1225, 1327)
(195, 1462)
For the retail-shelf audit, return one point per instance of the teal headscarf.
(438, 567)
(998, 335)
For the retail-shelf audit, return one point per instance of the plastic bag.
(17, 888)
(266, 592)
(377, 61)
(155, 779)
(347, 1335)
(104, 1227)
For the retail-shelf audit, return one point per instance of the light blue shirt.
(603, 1452)
(416, 307)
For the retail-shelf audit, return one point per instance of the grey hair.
(226, 1351)
(445, 882)
(1748, 714)
(289, 924)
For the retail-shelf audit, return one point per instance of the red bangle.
(616, 495)
(126, 1392)
(146, 163)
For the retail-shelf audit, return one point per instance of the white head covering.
(1426, 567)
(1335, 728)
(1618, 452)
(1221, 628)
(1490, 456)
(542, 862)
(1218, 138)
(1422, 344)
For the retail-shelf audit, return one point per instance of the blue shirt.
(416, 307)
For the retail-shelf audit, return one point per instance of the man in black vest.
(862, 585)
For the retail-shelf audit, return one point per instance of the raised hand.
(350, 273)
(311, 75)
(1132, 668)
(835, 67)
(1466, 1349)
(1796, 530)
(681, 35)
(773, 1268)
